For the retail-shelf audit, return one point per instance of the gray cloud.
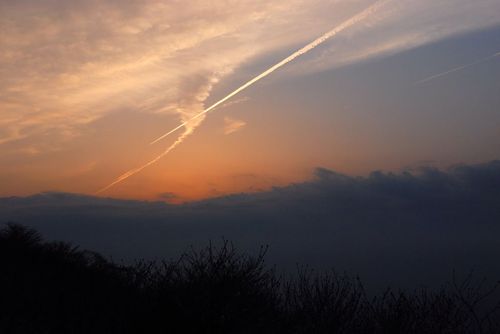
(400, 228)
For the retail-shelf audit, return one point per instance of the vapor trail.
(138, 169)
(456, 69)
(353, 20)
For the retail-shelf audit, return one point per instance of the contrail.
(456, 69)
(353, 20)
(138, 169)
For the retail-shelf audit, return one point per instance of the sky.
(87, 85)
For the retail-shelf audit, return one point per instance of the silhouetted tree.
(54, 287)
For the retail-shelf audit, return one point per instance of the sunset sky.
(86, 85)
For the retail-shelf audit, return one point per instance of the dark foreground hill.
(53, 287)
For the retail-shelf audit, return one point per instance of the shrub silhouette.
(54, 287)
(215, 290)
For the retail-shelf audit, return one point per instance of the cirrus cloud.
(66, 64)
(232, 125)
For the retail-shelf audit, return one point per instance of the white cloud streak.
(403, 25)
(232, 125)
(457, 69)
(134, 171)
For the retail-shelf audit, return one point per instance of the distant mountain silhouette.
(54, 287)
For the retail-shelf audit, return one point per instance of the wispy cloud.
(69, 63)
(402, 25)
(66, 64)
(199, 115)
(232, 125)
(235, 101)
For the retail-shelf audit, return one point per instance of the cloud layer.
(417, 226)
(65, 64)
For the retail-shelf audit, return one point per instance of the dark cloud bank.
(402, 229)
